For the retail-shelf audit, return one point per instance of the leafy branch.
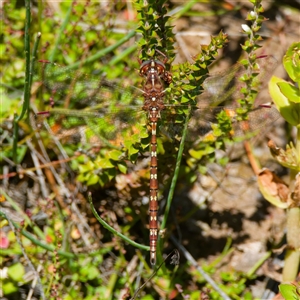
(250, 46)
(153, 25)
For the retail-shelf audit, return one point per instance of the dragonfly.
(115, 111)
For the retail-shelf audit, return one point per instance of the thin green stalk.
(226, 252)
(258, 264)
(99, 54)
(185, 9)
(112, 282)
(40, 15)
(15, 138)
(112, 230)
(27, 61)
(61, 32)
(27, 81)
(33, 58)
(173, 184)
(122, 55)
(27, 89)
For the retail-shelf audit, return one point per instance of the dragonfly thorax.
(152, 66)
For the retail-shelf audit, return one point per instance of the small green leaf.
(196, 154)
(93, 272)
(82, 177)
(290, 111)
(132, 151)
(21, 151)
(93, 179)
(143, 133)
(114, 154)
(195, 295)
(291, 62)
(111, 173)
(16, 272)
(289, 91)
(122, 167)
(133, 157)
(104, 163)
(288, 291)
(86, 167)
(9, 288)
(103, 179)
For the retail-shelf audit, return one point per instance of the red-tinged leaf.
(49, 239)
(4, 242)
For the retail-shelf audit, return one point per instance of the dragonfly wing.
(204, 119)
(226, 86)
(259, 118)
(92, 127)
(83, 89)
(174, 118)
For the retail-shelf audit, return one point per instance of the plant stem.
(27, 61)
(112, 282)
(97, 55)
(258, 264)
(27, 81)
(122, 55)
(112, 230)
(33, 59)
(292, 256)
(173, 183)
(61, 31)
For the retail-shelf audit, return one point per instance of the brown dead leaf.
(273, 188)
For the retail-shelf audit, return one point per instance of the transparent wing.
(131, 122)
(227, 85)
(203, 119)
(79, 90)
(94, 127)
(113, 112)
